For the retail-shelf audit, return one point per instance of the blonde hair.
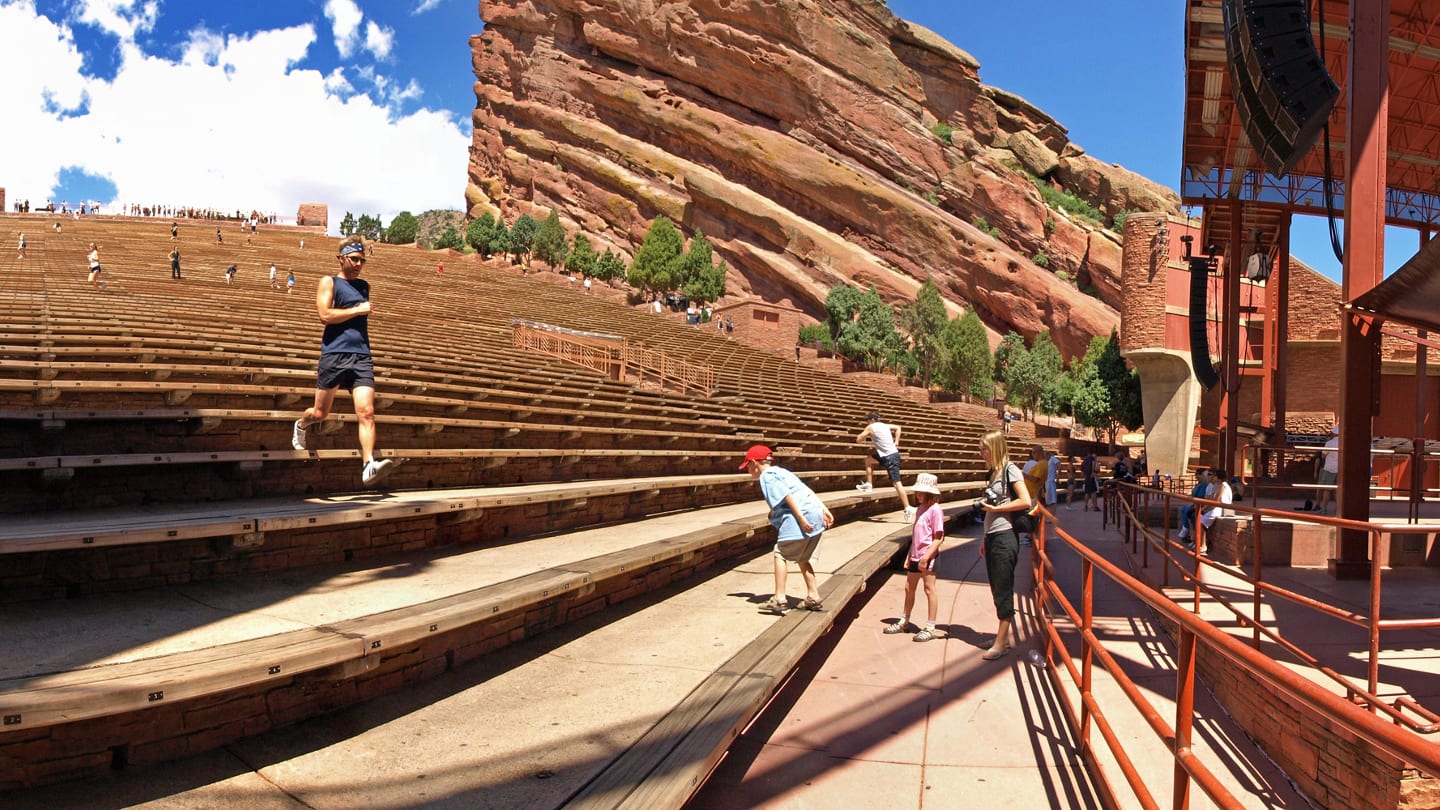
(994, 441)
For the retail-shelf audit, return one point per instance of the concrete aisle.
(871, 720)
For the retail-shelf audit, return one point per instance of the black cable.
(1329, 179)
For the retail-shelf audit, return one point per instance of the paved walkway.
(872, 720)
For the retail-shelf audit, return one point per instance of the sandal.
(924, 635)
(813, 604)
(992, 653)
(775, 607)
(896, 627)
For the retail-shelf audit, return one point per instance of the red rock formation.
(313, 214)
(801, 138)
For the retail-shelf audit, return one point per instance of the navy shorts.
(891, 464)
(346, 370)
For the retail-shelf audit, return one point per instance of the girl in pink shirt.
(925, 539)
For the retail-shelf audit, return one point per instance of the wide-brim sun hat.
(926, 482)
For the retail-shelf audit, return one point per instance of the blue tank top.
(352, 336)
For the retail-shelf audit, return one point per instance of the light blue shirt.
(778, 482)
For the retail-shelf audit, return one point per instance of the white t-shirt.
(883, 437)
(1332, 458)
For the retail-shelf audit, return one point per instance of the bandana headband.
(351, 248)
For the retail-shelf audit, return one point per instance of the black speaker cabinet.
(1199, 333)
(1283, 93)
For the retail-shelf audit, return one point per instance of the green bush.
(932, 198)
(943, 131)
(1067, 202)
(814, 333)
(1041, 259)
(1119, 221)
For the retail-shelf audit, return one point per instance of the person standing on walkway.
(1052, 476)
(885, 448)
(925, 538)
(22, 247)
(175, 264)
(1090, 481)
(1328, 472)
(1005, 496)
(1036, 472)
(343, 303)
(799, 518)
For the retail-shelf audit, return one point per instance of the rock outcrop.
(814, 143)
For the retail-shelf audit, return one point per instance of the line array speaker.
(1199, 333)
(1283, 93)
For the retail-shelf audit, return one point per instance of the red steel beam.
(1367, 134)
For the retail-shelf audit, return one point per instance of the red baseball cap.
(757, 452)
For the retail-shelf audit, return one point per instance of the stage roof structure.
(1220, 164)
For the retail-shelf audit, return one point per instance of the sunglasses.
(356, 259)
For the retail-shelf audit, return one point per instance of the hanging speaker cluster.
(1200, 268)
(1283, 93)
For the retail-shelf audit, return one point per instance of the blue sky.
(365, 104)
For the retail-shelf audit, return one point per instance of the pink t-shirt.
(927, 524)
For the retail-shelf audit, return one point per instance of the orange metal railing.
(1192, 634)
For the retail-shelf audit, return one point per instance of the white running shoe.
(299, 436)
(865, 487)
(376, 470)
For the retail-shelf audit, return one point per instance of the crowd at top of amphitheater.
(139, 210)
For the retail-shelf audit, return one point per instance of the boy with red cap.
(799, 518)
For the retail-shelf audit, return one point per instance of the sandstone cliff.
(801, 137)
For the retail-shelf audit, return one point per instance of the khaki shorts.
(798, 550)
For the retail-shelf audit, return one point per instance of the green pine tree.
(550, 244)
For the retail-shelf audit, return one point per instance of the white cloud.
(424, 6)
(336, 83)
(378, 39)
(345, 18)
(231, 123)
(123, 18)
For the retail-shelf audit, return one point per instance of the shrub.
(814, 333)
(1067, 202)
(932, 198)
(1120, 219)
(943, 131)
(1041, 259)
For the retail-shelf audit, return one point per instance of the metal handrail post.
(1087, 661)
(1184, 711)
(1374, 628)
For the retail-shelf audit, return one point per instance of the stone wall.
(313, 214)
(772, 327)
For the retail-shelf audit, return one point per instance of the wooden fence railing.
(614, 356)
